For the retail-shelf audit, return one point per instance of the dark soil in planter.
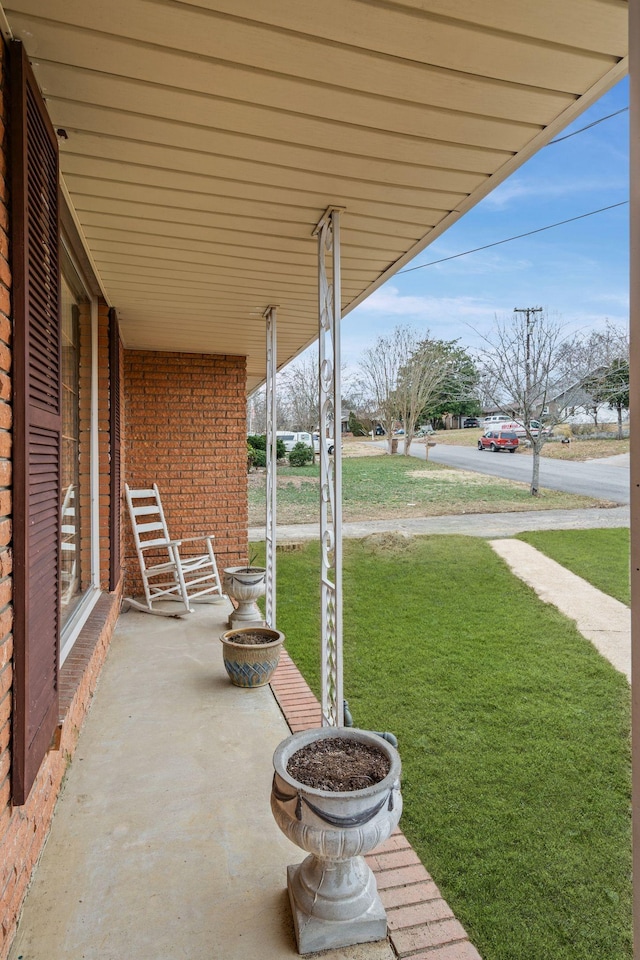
(338, 764)
(252, 638)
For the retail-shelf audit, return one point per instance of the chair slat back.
(147, 504)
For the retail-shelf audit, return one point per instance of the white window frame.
(71, 629)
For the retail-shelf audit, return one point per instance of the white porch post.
(634, 420)
(270, 315)
(329, 305)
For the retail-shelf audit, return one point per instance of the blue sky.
(577, 272)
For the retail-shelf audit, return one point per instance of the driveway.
(607, 479)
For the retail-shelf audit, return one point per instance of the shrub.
(301, 455)
(355, 426)
(259, 442)
(259, 458)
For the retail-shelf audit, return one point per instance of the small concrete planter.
(251, 664)
(333, 894)
(245, 585)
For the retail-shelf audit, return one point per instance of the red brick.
(397, 841)
(6, 650)
(401, 876)
(414, 914)
(461, 950)
(6, 562)
(392, 860)
(189, 447)
(409, 894)
(428, 935)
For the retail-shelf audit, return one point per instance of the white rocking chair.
(167, 575)
(68, 544)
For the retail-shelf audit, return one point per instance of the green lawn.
(599, 556)
(513, 731)
(401, 487)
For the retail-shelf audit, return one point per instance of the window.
(75, 476)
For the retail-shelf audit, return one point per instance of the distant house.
(575, 405)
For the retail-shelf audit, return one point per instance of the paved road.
(607, 479)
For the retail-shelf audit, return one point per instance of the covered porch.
(163, 843)
(203, 149)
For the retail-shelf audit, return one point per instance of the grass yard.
(599, 556)
(513, 731)
(377, 487)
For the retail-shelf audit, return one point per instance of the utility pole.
(529, 312)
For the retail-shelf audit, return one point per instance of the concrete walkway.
(489, 525)
(600, 618)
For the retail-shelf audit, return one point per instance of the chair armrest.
(160, 543)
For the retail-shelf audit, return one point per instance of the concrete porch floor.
(163, 844)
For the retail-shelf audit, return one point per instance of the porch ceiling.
(205, 140)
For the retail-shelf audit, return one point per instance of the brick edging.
(421, 923)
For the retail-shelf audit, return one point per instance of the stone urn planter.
(333, 893)
(245, 585)
(251, 654)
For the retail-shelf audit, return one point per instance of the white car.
(316, 443)
(289, 438)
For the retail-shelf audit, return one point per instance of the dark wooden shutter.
(37, 424)
(114, 448)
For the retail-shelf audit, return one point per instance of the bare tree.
(257, 412)
(525, 366)
(298, 386)
(403, 373)
(599, 360)
(380, 368)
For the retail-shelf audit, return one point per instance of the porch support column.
(270, 316)
(329, 307)
(634, 422)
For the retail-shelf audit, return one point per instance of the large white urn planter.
(333, 893)
(246, 585)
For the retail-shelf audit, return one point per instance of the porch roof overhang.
(204, 139)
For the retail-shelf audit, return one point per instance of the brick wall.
(186, 431)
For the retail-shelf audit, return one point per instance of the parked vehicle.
(316, 443)
(497, 440)
(289, 438)
(518, 427)
(471, 422)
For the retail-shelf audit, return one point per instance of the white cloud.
(388, 301)
(517, 188)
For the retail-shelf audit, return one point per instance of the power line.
(588, 126)
(518, 236)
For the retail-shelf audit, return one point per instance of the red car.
(496, 440)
